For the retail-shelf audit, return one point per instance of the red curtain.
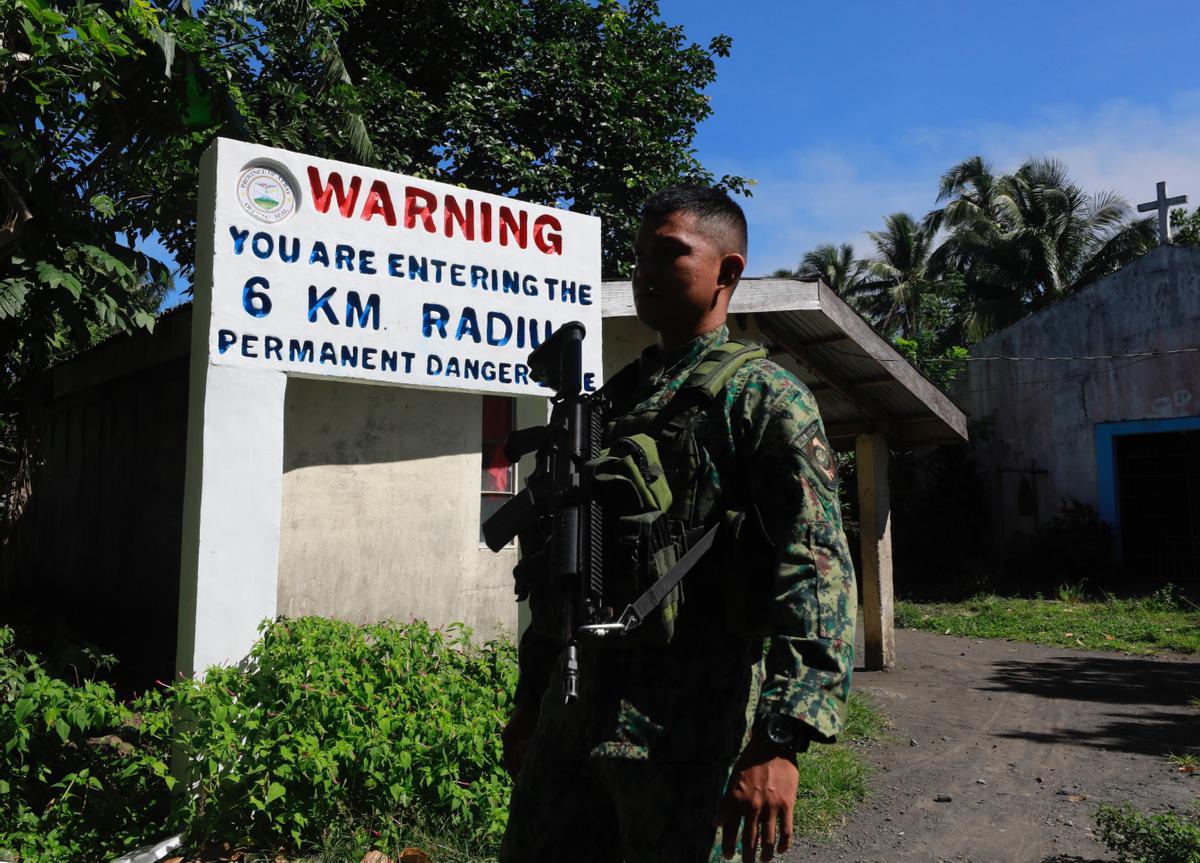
(497, 423)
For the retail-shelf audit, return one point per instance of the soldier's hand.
(515, 738)
(761, 795)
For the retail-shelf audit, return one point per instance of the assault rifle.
(556, 496)
(557, 502)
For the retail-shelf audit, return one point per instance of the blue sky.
(847, 111)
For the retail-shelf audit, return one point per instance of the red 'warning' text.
(448, 214)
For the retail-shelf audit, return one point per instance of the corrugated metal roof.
(861, 383)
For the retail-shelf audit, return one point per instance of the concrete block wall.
(1036, 419)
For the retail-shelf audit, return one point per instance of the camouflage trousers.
(609, 810)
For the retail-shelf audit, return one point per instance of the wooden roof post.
(875, 515)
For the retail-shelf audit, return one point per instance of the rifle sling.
(657, 592)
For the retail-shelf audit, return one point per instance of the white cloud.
(810, 196)
(1123, 146)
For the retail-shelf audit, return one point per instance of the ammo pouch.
(640, 545)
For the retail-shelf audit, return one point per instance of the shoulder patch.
(818, 454)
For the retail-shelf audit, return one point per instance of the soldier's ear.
(732, 266)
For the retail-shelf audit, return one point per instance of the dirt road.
(1002, 751)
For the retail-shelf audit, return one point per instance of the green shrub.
(82, 776)
(391, 727)
(329, 733)
(1169, 597)
(1141, 838)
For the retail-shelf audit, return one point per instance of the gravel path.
(1002, 751)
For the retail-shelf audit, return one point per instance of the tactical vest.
(658, 480)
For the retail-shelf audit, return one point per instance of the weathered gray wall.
(95, 555)
(1039, 416)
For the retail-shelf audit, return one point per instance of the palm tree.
(970, 191)
(1026, 239)
(836, 265)
(900, 271)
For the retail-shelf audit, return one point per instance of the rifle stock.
(505, 523)
(524, 441)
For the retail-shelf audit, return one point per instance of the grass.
(1165, 837)
(833, 779)
(344, 843)
(1187, 762)
(1162, 622)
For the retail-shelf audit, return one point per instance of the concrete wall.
(380, 515)
(1039, 417)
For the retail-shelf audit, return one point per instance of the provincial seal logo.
(265, 194)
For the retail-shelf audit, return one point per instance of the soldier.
(685, 735)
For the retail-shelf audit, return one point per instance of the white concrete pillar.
(229, 571)
(229, 567)
(875, 516)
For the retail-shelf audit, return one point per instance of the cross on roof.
(1163, 204)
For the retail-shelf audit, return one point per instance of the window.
(498, 476)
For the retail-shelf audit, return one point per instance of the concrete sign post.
(316, 268)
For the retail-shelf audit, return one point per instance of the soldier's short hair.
(718, 213)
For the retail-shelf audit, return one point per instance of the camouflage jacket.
(697, 696)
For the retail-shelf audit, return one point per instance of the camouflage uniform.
(636, 769)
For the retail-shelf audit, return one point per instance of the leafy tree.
(83, 94)
(593, 105)
(272, 72)
(564, 102)
(1013, 244)
(85, 97)
(937, 347)
(1185, 227)
(106, 106)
